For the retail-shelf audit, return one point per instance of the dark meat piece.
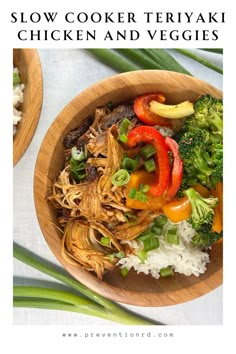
(91, 172)
(82, 141)
(117, 115)
(72, 137)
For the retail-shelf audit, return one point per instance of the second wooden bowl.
(28, 63)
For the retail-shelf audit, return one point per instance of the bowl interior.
(28, 63)
(135, 289)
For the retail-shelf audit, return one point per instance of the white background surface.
(66, 72)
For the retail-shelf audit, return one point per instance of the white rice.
(184, 258)
(18, 96)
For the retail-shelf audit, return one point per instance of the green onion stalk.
(199, 59)
(86, 301)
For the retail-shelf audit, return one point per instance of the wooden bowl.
(134, 289)
(28, 63)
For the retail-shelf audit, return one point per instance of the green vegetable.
(105, 241)
(77, 169)
(132, 193)
(208, 114)
(142, 255)
(157, 230)
(124, 60)
(171, 235)
(200, 143)
(204, 237)
(140, 193)
(199, 59)
(151, 243)
(160, 220)
(16, 79)
(124, 271)
(77, 155)
(148, 151)
(123, 129)
(202, 208)
(129, 164)
(165, 60)
(113, 59)
(172, 238)
(213, 50)
(38, 298)
(120, 178)
(146, 235)
(78, 164)
(166, 272)
(131, 219)
(150, 165)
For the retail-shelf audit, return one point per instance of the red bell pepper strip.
(177, 167)
(147, 134)
(142, 111)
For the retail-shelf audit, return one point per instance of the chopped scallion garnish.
(120, 178)
(166, 272)
(160, 220)
(147, 151)
(142, 255)
(77, 155)
(16, 79)
(122, 135)
(150, 165)
(132, 193)
(151, 243)
(129, 164)
(131, 219)
(171, 236)
(105, 241)
(124, 271)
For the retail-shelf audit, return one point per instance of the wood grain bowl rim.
(98, 93)
(33, 94)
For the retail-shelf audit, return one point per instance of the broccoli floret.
(208, 114)
(204, 237)
(202, 208)
(200, 143)
(192, 150)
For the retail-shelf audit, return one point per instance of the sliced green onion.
(166, 272)
(77, 154)
(173, 239)
(16, 79)
(140, 196)
(146, 235)
(157, 230)
(142, 255)
(171, 236)
(150, 165)
(145, 188)
(111, 257)
(119, 255)
(131, 219)
(151, 243)
(132, 193)
(147, 151)
(77, 169)
(122, 135)
(129, 164)
(105, 241)
(120, 178)
(124, 271)
(160, 220)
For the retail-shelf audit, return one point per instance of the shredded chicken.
(94, 210)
